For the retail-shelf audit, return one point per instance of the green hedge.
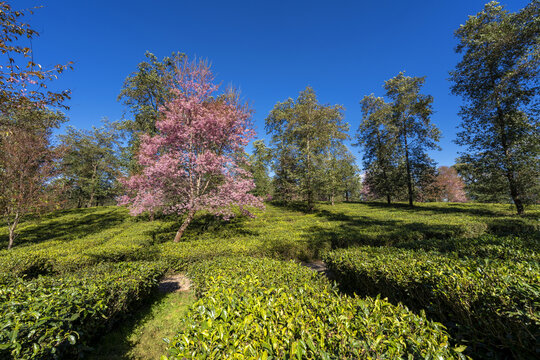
(130, 241)
(494, 304)
(54, 316)
(268, 309)
(515, 248)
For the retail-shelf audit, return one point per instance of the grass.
(141, 337)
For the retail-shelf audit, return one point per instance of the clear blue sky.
(271, 50)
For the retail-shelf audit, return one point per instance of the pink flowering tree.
(196, 160)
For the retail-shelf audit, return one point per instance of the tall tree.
(302, 130)
(144, 92)
(90, 164)
(381, 151)
(340, 174)
(195, 160)
(26, 164)
(259, 163)
(411, 119)
(498, 79)
(23, 82)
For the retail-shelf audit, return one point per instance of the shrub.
(52, 316)
(268, 309)
(493, 303)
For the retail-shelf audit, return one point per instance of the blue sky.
(271, 50)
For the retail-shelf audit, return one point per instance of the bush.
(491, 303)
(522, 248)
(53, 316)
(268, 309)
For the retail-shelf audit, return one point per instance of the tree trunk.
(409, 176)
(12, 228)
(388, 199)
(346, 196)
(332, 198)
(509, 165)
(184, 226)
(309, 190)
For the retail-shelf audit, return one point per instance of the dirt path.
(318, 266)
(174, 283)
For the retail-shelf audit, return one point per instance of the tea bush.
(494, 303)
(267, 309)
(53, 316)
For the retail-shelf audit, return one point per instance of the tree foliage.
(196, 159)
(381, 150)
(303, 130)
(90, 165)
(23, 82)
(450, 185)
(26, 164)
(259, 163)
(144, 93)
(415, 133)
(498, 79)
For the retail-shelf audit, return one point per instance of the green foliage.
(492, 303)
(143, 93)
(260, 162)
(415, 133)
(303, 132)
(498, 80)
(53, 316)
(90, 165)
(267, 309)
(380, 147)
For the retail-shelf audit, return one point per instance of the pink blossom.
(194, 162)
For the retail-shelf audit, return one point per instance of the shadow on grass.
(204, 224)
(115, 343)
(362, 230)
(474, 209)
(358, 229)
(59, 226)
(140, 336)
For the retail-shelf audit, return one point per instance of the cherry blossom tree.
(450, 185)
(195, 162)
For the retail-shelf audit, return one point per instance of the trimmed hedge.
(522, 248)
(54, 316)
(267, 309)
(493, 304)
(129, 241)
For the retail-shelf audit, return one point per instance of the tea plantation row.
(269, 309)
(491, 303)
(75, 273)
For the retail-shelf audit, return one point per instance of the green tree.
(498, 79)
(302, 130)
(411, 120)
(90, 165)
(340, 174)
(381, 148)
(259, 164)
(144, 92)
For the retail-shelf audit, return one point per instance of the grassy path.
(141, 336)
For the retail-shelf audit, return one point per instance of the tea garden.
(440, 281)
